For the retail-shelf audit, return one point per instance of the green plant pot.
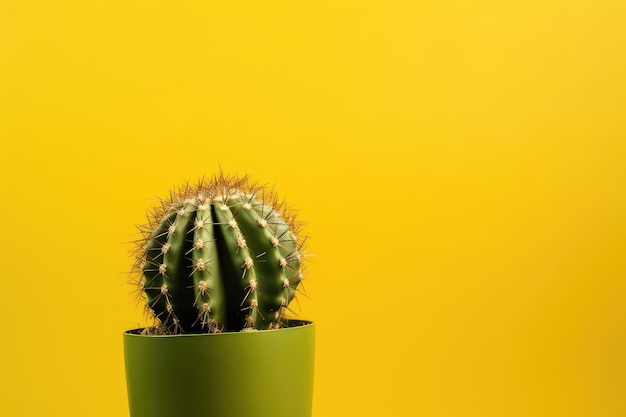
(265, 373)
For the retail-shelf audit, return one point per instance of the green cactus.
(219, 256)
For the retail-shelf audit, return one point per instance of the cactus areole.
(221, 255)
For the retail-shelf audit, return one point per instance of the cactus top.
(222, 255)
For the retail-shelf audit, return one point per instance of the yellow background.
(461, 165)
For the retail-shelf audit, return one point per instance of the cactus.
(222, 255)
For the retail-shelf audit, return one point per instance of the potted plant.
(218, 265)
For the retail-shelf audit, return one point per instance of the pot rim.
(291, 324)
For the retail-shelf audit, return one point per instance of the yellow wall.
(461, 165)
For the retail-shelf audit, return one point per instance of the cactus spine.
(219, 256)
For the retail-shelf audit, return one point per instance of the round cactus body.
(220, 256)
